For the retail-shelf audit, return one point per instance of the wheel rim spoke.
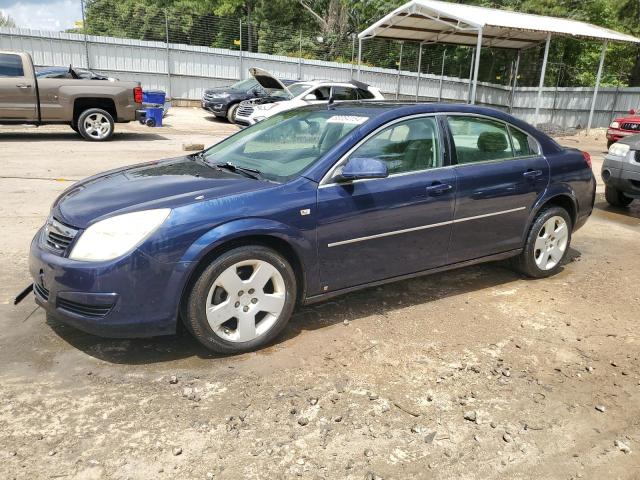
(230, 281)
(246, 327)
(272, 303)
(218, 314)
(261, 275)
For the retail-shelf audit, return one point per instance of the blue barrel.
(154, 116)
(154, 97)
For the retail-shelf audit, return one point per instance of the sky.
(54, 15)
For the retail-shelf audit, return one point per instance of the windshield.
(282, 146)
(298, 88)
(245, 85)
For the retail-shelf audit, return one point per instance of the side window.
(344, 93)
(11, 65)
(364, 94)
(322, 93)
(523, 144)
(479, 139)
(406, 146)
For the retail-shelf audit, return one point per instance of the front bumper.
(133, 296)
(622, 174)
(614, 134)
(219, 109)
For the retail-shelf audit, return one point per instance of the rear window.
(11, 65)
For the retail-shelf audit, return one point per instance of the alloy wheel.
(245, 300)
(97, 126)
(551, 243)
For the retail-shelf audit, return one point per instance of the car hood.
(163, 184)
(630, 119)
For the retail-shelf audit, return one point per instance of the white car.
(283, 98)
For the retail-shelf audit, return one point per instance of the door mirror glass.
(310, 97)
(359, 168)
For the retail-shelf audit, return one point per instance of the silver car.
(621, 172)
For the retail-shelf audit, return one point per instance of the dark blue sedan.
(305, 205)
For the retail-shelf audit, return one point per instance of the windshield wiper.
(247, 172)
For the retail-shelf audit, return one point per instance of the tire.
(74, 127)
(609, 143)
(95, 125)
(223, 309)
(615, 197)
(231, 112)
(545, 250)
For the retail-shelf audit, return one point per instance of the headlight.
(614, 125)
(258, 119)
(619, 149)
(115, 236)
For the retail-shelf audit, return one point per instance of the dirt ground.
(472, 374)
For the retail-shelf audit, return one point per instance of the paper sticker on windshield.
(353, 120)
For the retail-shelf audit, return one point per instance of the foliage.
(6, 21)
(325, 29)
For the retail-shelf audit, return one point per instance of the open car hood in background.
(268, 81)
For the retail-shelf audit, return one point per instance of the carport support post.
(84, 32)
(476, 67)
(514, 83)
(359, 55)
(542, 73)
(595, 90)
(166, 31)
(419, 68)
(444, 56)
(399, 68)
(241, 75)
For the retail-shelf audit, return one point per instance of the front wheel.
(547, 243)
(231, 112)
(242, 300)
(615, 197)
(95, 125)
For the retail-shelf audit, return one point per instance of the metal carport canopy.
(432, 21)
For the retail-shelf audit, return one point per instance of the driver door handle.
(532, 173)
(438, 189)
(23, 85)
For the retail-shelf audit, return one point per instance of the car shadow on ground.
(35, 136)
(214, 119)
(361, 304)
(623, 214)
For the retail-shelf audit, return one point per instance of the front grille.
(57, 236)
(93, 311)
(41, 291)
(208, 97)
(630, 126)
(245, 110)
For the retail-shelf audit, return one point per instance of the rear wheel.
(95, 125)
(615, 197)
(547, 243)
(242, 300)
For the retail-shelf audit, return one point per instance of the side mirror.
(358, 168)
(310, 97)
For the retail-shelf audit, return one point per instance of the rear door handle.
(532, 173)
(23, 85)
(438, 189)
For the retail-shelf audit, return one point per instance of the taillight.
(137, 94)
(587, 158)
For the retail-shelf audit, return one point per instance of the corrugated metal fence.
(185, 71)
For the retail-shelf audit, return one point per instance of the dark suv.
(223, 102)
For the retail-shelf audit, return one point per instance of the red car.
(623, 127)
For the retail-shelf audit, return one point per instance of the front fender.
(248, 227)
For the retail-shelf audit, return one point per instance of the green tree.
(6, 21)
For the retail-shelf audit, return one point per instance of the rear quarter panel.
(570, 176)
